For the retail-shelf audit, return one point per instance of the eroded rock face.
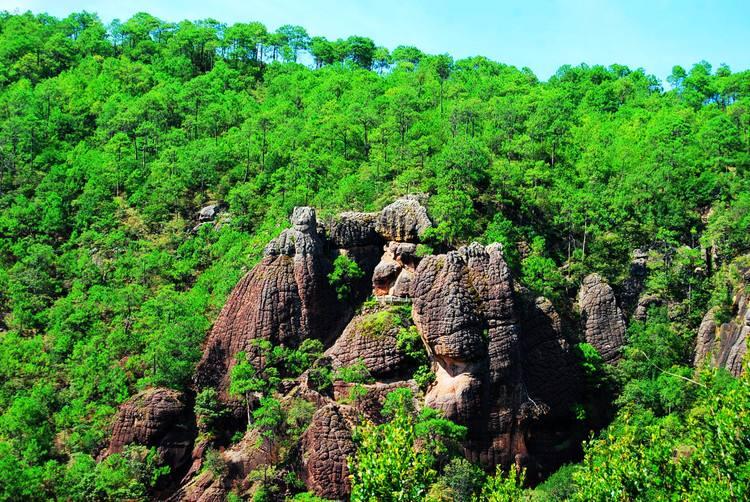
(404, 221)
(602, 320)
(353, 229)
(725, 345)
(285, 299)
(372, 338)
(466, 312)
(326, 446)
(158, 418)
(704, 342)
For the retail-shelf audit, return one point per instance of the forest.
(113, 138)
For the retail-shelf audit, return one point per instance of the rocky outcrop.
(371, 337)
(326, 446)
(602, 320)
(403, 221)
(285, 299)
(724, 345)
(394, 274)
(159, 418)
(351, 229)
(503, 365)
(466, 312)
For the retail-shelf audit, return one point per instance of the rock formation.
(285, 299)
(602, 320)
(403, 221)
(502, 364)
(157, 418)
(371, 337)
(467, 313)
(326, 447)
(725, 344)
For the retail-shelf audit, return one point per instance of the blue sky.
(540, 34)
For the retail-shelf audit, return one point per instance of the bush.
(345, 271)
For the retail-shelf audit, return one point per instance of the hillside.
(569, 260)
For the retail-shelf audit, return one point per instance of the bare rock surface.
(372, 338)
(405, 220)
(602, 320)
(326, 446)
(285, 299)
(159, 418)
(352, 229)
(725, 345)
(465, 309)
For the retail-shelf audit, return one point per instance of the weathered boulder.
(208, 213)
(405, 220)
(326, 446)
(372, 338)
(394, 274)
(353, 229)
(159, 418)
(384, 276)
(602, 320)
(285, 299)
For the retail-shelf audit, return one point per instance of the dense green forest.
(113, 137)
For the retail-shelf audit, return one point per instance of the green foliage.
(208, 409)
(504, 486)
(214, 463)
(539, 273)
(460, 480)
(268, 417)
(702, 454)
(559, 486)
(397, 460)
(410, 342)
(345, 270)
(354, 373)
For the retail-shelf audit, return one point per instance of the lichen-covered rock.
(405, 220)
(285, 299)
(326, 446)
(353, 229)
(372, 338)
(602, 320)
(157, 418)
